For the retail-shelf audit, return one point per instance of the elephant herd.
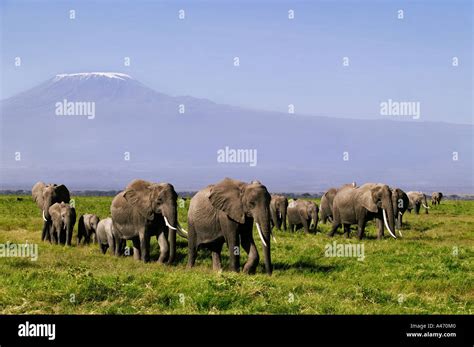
(220, 213)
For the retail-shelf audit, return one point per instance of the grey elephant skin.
(325, 207)
(362, 204)
(226, 212)
(45, 195)
(87, 228)
(436, 198)
(302, 213)
(278, 211)
(400, 204)
(107, 238)
(416, 200)
(63, 218)
(146, 209)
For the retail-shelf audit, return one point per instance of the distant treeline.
(188, 194)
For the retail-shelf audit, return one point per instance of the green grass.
(418, 274)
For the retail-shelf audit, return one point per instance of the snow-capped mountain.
(81, 128)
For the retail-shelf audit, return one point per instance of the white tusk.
(261, 235)
(273, 236)
(44, 218)
(279, 213)
(425, 206)
(386, 223)
(181, 229)
(330, 218)
(168, 224)
(401, 214)
(400, 232)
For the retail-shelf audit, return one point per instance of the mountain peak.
(92, 75)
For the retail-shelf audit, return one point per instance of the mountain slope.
(294, 152)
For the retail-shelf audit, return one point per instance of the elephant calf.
(106, 238)
(302, 213)
(87, 228)
(63, 218)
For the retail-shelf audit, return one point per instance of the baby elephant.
(63, 218)
(106, 238)
(87, 228)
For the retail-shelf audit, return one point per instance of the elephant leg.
(45, 233)
(216, 255)
(400, 220)
(336, 222)
(192, 245)
(248, 244)
(103, 248)
(380, 228)
(305, 225)
(347, 230)
(53, 235)
(136, 248)
(68, 237)
(231, 232)
(144, 238)
(171, 242)
(164, 248)
(361, 229)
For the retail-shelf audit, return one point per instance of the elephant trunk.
(389, 216)
(283, 217)
(275, 219)
(264, 231)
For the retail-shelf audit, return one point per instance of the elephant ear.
(62, 193)
(37, 194)
(226, 196)
(303, 212)
(141, 201)
(368, 201)
(55, 211)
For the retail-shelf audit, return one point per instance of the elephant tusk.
(425, 206)
(261, 235)
(401, 214)
(44, 218)
(168, 224)
(182, 230)
(273, 236)
(400, 232)
(330, 218)
(279, 215)
(386, 223)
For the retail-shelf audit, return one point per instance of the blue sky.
(281, 61)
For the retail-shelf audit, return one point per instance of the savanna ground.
(428, 271)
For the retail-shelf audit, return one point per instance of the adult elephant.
(416, 200)
(226, 212)
(63, 218)
(146, 209)
(302, 213)
(278, 210)
(436, 198)
(327, 200)
(400, 204)
(87, 228)
(359, 205)
(45, 195)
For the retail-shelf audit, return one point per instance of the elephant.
(87, 228)
(146, 209)
(326, 202)
(358, 205)
(302, 213)
(400, 204)
(278, 210)
(226, 212)
(63, 218)
(107, 238)
(436, 198)
(45, 195)
(417, 199)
